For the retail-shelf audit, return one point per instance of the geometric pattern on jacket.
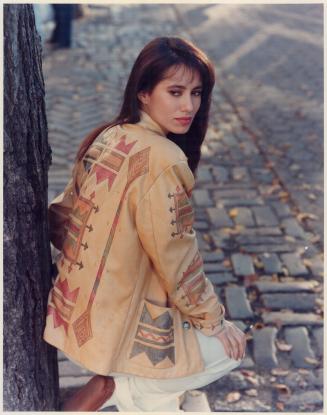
(138, 165)
(155, 337)
(184, 214)
(193, 281)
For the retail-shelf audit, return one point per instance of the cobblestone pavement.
(261, 249)
(270, 62)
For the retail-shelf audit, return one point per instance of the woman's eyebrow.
(183, 87)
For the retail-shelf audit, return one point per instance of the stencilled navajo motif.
(104, 162)
(82, 328)
(76, 226)
(123, 146)
(63, 300)
(155, 355)
(154, 337)
(91, 156)
(138, 166)
(113, 160)
(193, 281)
(102, 174)
(184, 214)
(164, 321)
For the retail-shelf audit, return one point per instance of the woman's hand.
(233, 340)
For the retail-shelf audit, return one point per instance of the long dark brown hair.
(149, 69)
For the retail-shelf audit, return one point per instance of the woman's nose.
(187, 103)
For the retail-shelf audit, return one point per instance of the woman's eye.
(178, 93)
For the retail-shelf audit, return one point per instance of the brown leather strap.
(92, 395)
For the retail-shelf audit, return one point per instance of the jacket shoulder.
(163, 152)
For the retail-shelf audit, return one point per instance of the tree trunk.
(30, 377)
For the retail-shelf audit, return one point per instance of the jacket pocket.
(153, 341)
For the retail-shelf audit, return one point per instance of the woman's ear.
(143, 97)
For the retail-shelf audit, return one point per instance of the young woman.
(131, 301)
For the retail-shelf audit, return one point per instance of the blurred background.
(259, 192)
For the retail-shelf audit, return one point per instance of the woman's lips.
(184, 120)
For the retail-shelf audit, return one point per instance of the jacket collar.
(147, 122)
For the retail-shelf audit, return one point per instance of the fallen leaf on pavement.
(252, 295)
(311, 360)
(283, 195)
(315, 239)
(303, 216)
(294, 167)
(227, 263)
(274, 278)
(284, 347)
(99, 88)
(233, 213)
(272, 189)
(248, 373)
(226, 231)
(278, 371)
(311, 196)
(280, 406)
(254, 381)
(258, 263)
(318, 289)
(319, 302)
(306, 186)
(233, 397)
(251, 392)
(289, 238)
(285, 271)
(258, 326)
(307, 262)
(206, 237)
(281, 388)
(319, 311)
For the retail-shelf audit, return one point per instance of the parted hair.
(150, 67)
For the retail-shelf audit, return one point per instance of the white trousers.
(139, 394)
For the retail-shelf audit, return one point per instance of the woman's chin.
(180, 130)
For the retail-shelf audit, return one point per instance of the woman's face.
(175, 100)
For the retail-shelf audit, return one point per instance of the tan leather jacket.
(130, 288)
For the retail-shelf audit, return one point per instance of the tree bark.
(30, 377)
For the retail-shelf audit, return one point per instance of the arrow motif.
(80, 265)
(85, 246)
(138, 166)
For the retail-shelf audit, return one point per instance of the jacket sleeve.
(58, 214)
(164, 221)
